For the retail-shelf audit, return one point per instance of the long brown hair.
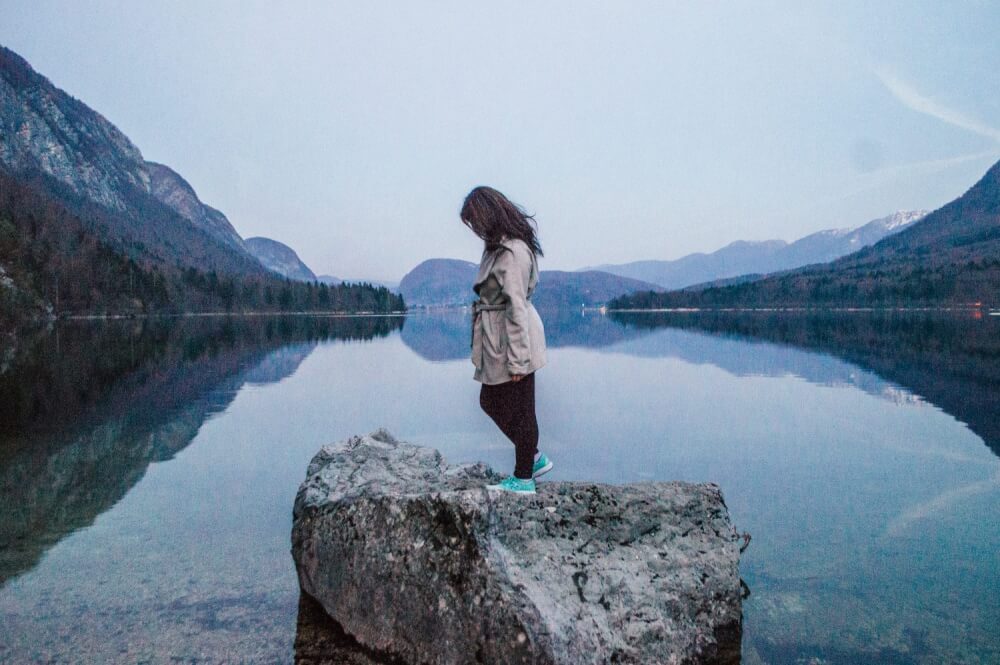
(491, 216)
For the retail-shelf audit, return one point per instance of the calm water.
(148, 470)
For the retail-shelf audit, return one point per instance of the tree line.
(958, 280)
(53, 261)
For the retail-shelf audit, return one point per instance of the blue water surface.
(148, 469)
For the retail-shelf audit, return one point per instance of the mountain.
(329, 280)
(170, 188)
(88, 226)
(746, 258)
(439, 282)
(829, 245)
(449, 282)
(949, 257)
(85, 162)
(280, 258)
(558, 288)
(737, 258)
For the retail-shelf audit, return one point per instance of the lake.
(148, 468)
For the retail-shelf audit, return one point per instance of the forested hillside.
(89, 227)
(54, 262)
(950, 257)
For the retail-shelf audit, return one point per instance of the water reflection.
(948, 359)
(874, 520)
(875, 525)
(319, 640)
(444, 335)
(952, 361)
(85, 408)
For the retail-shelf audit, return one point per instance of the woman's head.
(491, 216)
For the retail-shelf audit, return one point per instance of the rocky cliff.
(416, 559)
(169, 187)
(280, 258)
(44, 128)
(82, 160)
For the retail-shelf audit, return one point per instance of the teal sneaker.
(542, 466)
(514, 484)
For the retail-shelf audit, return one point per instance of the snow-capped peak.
(902, 218)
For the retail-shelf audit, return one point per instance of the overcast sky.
(352, 131)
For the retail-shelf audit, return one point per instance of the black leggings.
(511, 405)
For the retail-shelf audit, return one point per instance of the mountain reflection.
(85, 408)
(446, 335)
(947, 359)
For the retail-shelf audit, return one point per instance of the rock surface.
(415, 558)
(280, 258)
(82, 157)
(169, 187)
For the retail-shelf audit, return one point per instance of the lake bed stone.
(415, 558)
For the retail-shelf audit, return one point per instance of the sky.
(632, 130)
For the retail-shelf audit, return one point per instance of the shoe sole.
(545, 469)
(504, 489)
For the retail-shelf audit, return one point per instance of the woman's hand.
(517, 377)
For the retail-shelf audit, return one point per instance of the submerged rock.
(415, 558)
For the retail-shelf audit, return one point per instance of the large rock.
(417, 559)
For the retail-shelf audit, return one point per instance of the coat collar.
(490, 257)
(486, 266)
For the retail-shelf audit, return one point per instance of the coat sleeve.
(512, 270)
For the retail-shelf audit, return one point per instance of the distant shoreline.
(184, 315)
(463, 308)
(956, 308)
(41, 320)
(790, 308)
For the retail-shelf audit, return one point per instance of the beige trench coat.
(510, 338)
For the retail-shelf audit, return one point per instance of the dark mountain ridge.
(970, 223)
(950, 257)
(87, 226)
(75, 155)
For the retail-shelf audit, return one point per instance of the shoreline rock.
(415, 558)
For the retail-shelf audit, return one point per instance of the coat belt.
(477, 307)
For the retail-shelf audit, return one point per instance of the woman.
(508, 339)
